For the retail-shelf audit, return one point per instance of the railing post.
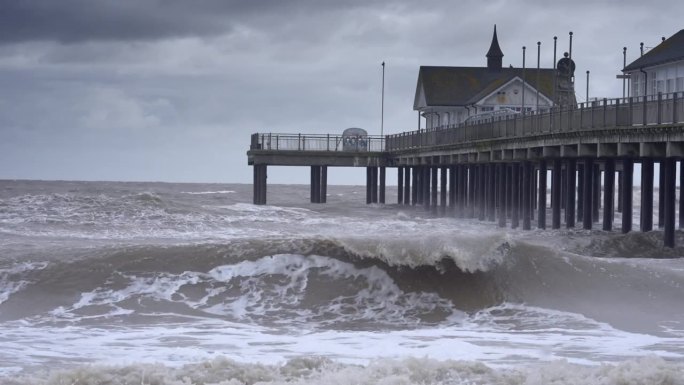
(617, 112)
(605, 111)
(660, 108)
(631, 110)
(581, 122)
(299, 142)
(643, 113)
(674, 107)
(327, 143)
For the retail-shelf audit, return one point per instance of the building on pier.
(448, 96)
(660, 70)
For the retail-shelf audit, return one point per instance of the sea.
(162, 283)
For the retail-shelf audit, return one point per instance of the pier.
(497, 169)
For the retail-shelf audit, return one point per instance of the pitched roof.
(670, 50)
(459, 86)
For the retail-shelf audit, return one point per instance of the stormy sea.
(157, 283)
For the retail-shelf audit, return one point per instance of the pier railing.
(317, 142)
(594, 115)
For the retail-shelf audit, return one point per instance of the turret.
(494, 55)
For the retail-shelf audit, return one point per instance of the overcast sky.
(170, 90)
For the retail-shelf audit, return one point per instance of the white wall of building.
(666, 78)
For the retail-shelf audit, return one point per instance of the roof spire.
(494, 55)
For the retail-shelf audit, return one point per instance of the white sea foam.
(208, 192)
(11, 280)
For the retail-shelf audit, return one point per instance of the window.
(670, 86)
(486, 108)
(680, 84)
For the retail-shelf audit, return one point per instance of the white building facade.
(660, 70)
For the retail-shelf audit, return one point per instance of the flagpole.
(382, 110)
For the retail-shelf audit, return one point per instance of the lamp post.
(537, 85)
(587, 87)
(522, 109)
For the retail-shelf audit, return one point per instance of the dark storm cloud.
(71, 21)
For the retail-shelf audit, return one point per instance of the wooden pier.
(497, 170)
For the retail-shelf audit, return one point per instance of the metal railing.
(596, 115)
(317, 142)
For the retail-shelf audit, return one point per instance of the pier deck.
(499, 168)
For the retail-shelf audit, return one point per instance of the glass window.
(680, 84)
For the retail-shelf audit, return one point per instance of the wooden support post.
(661, 195)
(570, 193)
(669, 198)
(442, 190)
(646, 194)
(596, 193)
(462, 189)
(381, 193)
(407, 186)
(501, 193)
(472, 181)
(400, 185)
(527, 195)
(608, 194)
(580, 192)
(453, 191)
(541, 217)
(556, 191)
(415, 185)
(369, 196)
(681, 194)
(491, 190)
(315, 184)
(434, 186)
(481, 194)
(587, 195)
(515, 196)
(619, 186)
(324, 184)
(259, 184)
(374, 185)
(627, 183)
(426, 187)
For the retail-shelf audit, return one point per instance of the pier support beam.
(515, 195)
(472, 180)
(608, 194)
(587, 195)
(596, 193)
(556, 191)
(259, 184)
(570, 193)
(541, 218)
(501, 193)
(646, 195)
(453, 191)
(681, 195)
(434, 189)
(426, 188)
(415, 186)
(407, 186)
(527, 195)
(580, 192)
(319, 184)
(381, 193)
(670, 173)
(491, 188)
(481, 194)
(661, 195)
(442, 190)
(619, 184)
(627, 182)
(400, 185)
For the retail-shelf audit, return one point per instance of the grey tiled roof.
(670, 50)
(459, 86)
